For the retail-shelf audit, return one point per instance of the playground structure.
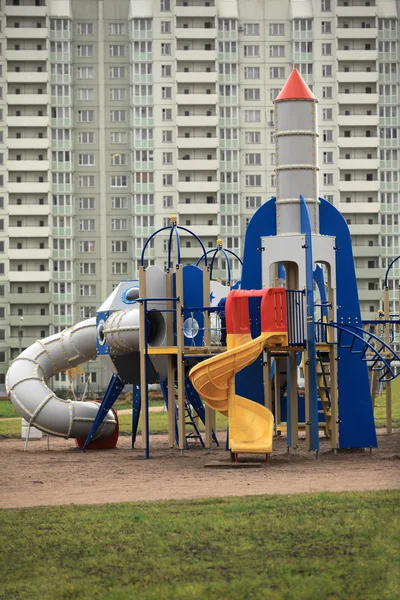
(297, 302)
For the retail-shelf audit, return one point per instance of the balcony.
(369, 294)
(197, 165)
(192, 99)
(28, 165)
(358, 98)
(353, 55)
(198, 186)
(27, 55)
(197, 121)
(29, 320)
(27, 121)
(195, 33)
(357, 33)
(196, 76)
(26, 77)
(196, 55)
(198, 208)
(358, 142)
(28, 209)
(25, 10)
(354, 120)
(365, 273)
(358, 186)
(29, 254)
(203, 230)
(197, 142)
(27, 143)
(29, 298)
(195, 11)
(365, 164)
(26, 33)
(357, 76)
(365, 229)
(352, 12)
(360, 251)
(27, 99)
(26, 232)
(28, 276)
(28, 187)
(359, 207)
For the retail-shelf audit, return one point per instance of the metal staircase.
(368, 346)
(324, 385)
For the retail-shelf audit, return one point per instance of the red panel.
(273, 310)
(107, 444)
(295, 88)
(237, 312)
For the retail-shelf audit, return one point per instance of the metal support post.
(180, 360)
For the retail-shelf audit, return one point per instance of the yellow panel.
(163, 350)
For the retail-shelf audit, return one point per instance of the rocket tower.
(306, 238)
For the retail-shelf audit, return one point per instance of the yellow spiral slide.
(250, 423)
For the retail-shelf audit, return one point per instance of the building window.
(119, 224)
(166, 70)
(119, 202)
(327, 114)
(86, 203)
(117, 116)
(117, 72)
(116, 28)
(86, 137)
(119, 246)
(328, 178)
(87, 224)
(277, 51)
(116, 50)
(327, 92)
(326, 27)
(87, 289)
(165, 26)
(253, 159)
(326, 49)
(119, 160)
(251, 29)
(276, 29)
(86, 160)
(327, 158)
(86, 181)
(327, 135)
(85, 51)
(118, 181)
(253, 180)
(84, 28)
(166, 49)
(326, 6)
(252, 72)
(326, 70)
(277, 72)
(87, 246)
(167, 136)
(251, 51)
(86, 94)
(118, 137)
(166, 114)
(165, 5)
(118, 94)
(88, 268)
(85, 72)
(252, 94)
(119, 268)
(168, 179)
(252, 116)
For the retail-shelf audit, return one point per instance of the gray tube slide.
(35, 402)
(28, 373)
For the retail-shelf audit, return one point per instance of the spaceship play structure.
(296, 304)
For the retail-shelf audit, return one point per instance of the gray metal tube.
(33, 399)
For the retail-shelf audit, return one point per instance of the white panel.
(60, 8)
(228, 9)
(300, 153)
(301, 9)
(140, 9)
(387, 9)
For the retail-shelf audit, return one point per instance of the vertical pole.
(180, 363)
(277, 392)
(306, 400)
(207, 342)
(171, 375)
(293, 400)
(267, 380)
(334, 381)
(388, 393)
(143, 363)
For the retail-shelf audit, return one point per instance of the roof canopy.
(295, 88)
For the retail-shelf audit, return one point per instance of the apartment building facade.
(116, 115)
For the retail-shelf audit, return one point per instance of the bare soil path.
(64, 475)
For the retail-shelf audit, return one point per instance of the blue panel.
(193, 297)
(356, 426)
(249, 382)
(101, 317)
(310, 329)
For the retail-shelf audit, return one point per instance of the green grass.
(324, 546)
(380, 406)
(7, 410)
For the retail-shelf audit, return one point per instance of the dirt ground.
(64, 475)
